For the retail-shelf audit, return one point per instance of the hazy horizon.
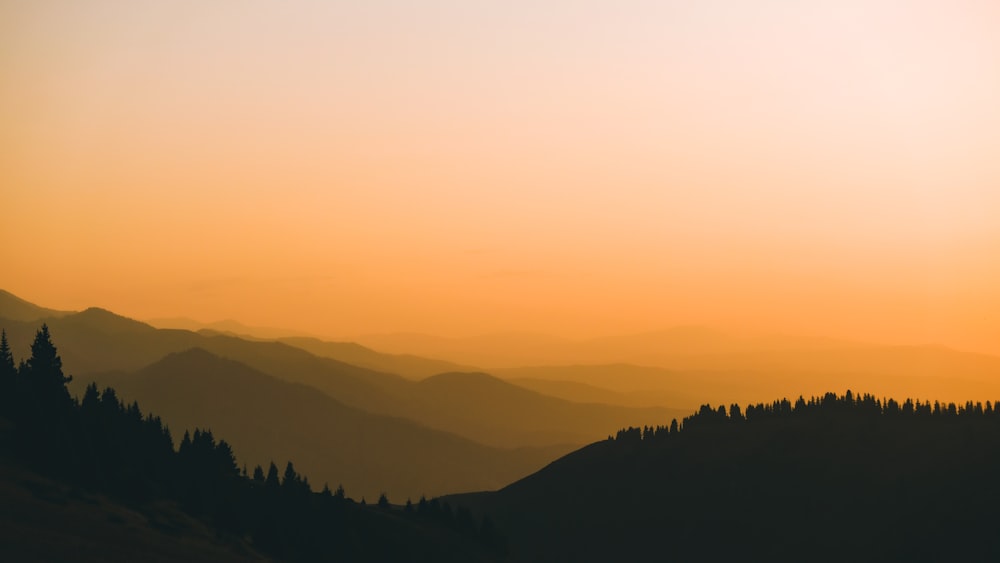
(466, 168)
(747, 336)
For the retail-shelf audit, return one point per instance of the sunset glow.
(465, 167)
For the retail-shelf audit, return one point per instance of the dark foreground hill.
(832, 479)
(48, 520)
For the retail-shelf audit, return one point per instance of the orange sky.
(458, 167)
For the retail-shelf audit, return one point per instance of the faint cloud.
(216, 284)
(523, 274)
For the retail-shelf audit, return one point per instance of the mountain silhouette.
(228, 327)
(265, 419)
(506, 414)
(97, 341)
(580, 392)
(16, 309)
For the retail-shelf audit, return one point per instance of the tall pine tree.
(43, 371)
(7, 369)
(8, 376)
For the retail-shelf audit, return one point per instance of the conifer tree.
(291, 478)
(7, 368)
(8, 376)
(43, 371)
(272, 481)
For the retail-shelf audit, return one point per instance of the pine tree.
(272, 481)
(7, 367)
(8, 376)
(43, 370)
(291, 478)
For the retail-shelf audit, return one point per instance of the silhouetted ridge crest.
(196, 356)
(463, 377)
(107, 321)
(829, 406)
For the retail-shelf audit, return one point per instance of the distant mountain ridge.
(699, 364)
(407, 365)
(485, 414)
(97, 341)
(265, 419)
(661, 348)
(227, 326)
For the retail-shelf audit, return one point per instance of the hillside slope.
(829, 480)
(44, 520)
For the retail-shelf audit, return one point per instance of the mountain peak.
(107, 321)
(200, 363)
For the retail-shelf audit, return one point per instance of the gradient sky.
(457, 167)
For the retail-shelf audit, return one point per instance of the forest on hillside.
(830, 478)
(98, 444)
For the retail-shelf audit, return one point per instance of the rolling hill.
(267, 419)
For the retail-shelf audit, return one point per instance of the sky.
(573, 167)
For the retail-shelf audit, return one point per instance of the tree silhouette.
(8, 376)
(7, 368)
(290, 476)
(272, 481)
(42, 372)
